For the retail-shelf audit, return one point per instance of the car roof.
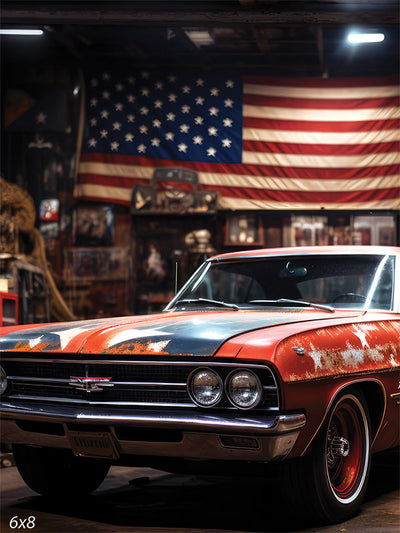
(310, 250)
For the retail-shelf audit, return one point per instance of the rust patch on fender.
(340, 350)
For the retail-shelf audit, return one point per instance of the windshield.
(339, 281)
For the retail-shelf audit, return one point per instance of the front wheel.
(57, 472)
(329, 482)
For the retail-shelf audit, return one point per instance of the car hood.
(178, 333)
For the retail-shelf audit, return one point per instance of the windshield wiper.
(206, 301)
(297, 302)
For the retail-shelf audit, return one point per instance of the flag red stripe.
(336, 127)
(241, 169)
(320, 149)
(93, 198)
(111, 181)
(127, 183)
(307, 103)
(323, 83)
(305, 196)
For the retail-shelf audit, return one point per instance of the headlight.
(3, 381)
(205, 387)
(244, 389)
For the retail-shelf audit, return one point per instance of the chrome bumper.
(202, 432)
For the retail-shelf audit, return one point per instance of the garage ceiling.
(269, 37)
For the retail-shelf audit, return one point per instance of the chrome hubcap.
(340, 447)
(337, 447)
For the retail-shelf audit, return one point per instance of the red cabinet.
(8, 309)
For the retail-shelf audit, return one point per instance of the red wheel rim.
(344, 470)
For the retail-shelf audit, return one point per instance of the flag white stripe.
(115, 169)
(256, 182)
(108, 192)
(321, 115)
(311, 161)
(314, 137)
(294, 184)
(321, 93)
(242, 203)
(124, 195)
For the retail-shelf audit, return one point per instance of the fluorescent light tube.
(21, 32)
(360, 38)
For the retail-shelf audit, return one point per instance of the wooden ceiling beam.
(284, 13)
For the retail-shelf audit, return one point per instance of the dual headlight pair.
(243, 388)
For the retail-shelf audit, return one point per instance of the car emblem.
(90, 384)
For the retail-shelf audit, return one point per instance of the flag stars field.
(175, 100)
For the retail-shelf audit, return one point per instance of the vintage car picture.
(281, 361)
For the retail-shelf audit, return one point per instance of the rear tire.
(330, 481)
(57, 472)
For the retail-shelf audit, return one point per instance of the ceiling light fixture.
(361, 38)
(21, 32)
(200, 37)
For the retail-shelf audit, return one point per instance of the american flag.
(263, 143)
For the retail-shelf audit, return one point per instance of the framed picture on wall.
(244, 230)
(377, 230)
(93, 225)
(48, 210)
(96, 264)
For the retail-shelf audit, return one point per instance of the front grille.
(138, 383)
(116, 394)
(118, 371)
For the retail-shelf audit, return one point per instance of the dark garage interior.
(138, 140)
(80, 242)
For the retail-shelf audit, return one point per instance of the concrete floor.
(145, 500)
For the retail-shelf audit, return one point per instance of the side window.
(383, 295)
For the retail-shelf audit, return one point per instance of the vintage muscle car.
(279, 360)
